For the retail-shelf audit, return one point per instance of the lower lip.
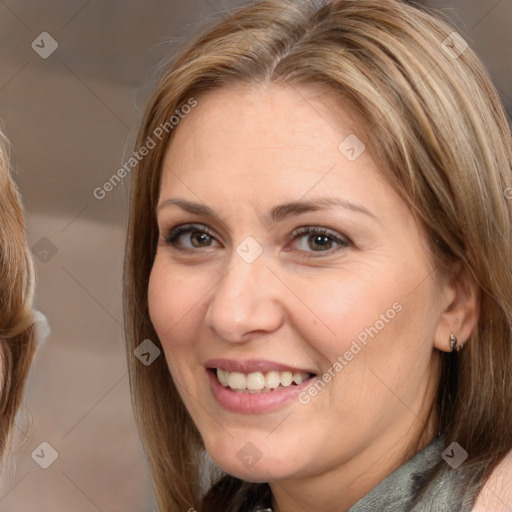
(253, 403)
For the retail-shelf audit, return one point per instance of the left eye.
(318, 239)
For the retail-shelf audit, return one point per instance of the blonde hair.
(435, 124)
(17, 343)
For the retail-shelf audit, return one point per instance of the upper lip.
(252, 366)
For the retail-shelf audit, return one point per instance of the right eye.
(197, 236)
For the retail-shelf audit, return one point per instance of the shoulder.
(496, 495)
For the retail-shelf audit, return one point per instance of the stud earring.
(453, 344)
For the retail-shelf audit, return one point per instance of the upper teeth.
(257, 381)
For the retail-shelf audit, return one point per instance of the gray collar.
(398, 492)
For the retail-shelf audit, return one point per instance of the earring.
(453, 344)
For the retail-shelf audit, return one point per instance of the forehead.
(270, 134)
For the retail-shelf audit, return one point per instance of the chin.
(248, 464)
(257, 474)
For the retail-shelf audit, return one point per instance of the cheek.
(362, 319)
(162, 302)
(346, 307)
(171, 306)
(173, 312)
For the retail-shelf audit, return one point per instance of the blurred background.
(74, 79)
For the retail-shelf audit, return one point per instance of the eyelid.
(314, 229)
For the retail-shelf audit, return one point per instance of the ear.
(460, 299)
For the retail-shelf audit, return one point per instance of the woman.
(17, 327)
(320, 245)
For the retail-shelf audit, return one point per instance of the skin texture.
(242, 151)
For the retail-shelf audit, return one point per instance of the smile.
(253, 386)
(259, 382)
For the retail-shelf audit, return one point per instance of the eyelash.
(175, 233)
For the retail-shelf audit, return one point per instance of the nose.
(245, 301)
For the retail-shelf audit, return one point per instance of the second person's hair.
(17, 329)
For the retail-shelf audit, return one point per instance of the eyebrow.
(278, 213)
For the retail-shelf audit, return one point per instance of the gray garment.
(449, 492)
(397, 493)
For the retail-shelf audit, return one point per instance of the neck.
(341, 487)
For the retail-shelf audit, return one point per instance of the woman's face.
(296, 262)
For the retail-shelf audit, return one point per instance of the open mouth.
(259, 382)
